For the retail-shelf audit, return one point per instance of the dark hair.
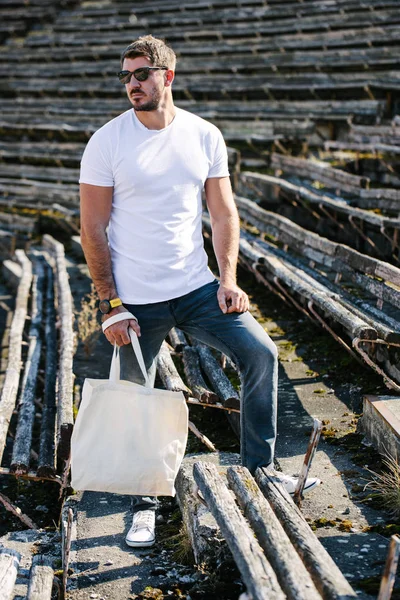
(156, 50)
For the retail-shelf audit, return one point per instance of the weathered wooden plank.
(377, 288)
(185, 25)
(26, 414)
(85, 110)
(379, 316)
(386, 327)
(9, 563)
(65, 417)
(177, 339)
(358, 147)
(367, 264)
(258, 575)
(327, 577)
(217, 378)
(290, 233)
(283, 228)
(321, 297)
(229, 32)
(11, 381)
(168, 372)
(47, 459)
(41, 578)
(268, 186)
(244, 15)
(322, 172)
(262, 62)
(102, 48)
(307, 286)
(194, 377)
(221, 385)
(292, 575)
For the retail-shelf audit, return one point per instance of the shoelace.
(144, 521)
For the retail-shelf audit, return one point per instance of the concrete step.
(381, 423)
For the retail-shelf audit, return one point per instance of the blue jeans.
(240, 337)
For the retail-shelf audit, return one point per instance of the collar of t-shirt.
(140, 125)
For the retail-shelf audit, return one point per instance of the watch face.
(104, 306)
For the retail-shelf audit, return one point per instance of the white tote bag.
(128, 438)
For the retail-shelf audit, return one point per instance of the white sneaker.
(290, 483)
(142, 532)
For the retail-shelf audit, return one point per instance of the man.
(142, 175)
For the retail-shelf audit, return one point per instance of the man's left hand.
(231, 298)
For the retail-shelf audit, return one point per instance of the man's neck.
(157, 119)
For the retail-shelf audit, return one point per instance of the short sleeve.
(219, 164)
(96, 163)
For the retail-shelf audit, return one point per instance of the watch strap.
(115, 302)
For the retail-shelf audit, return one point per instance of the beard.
(148, 106)
(152, 104)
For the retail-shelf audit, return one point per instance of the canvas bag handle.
(115, 367)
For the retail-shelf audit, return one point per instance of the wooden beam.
(292, 575)
(11, 380)
(177, 339)
(65, 419)
(327, 577)
(168, 372)
(26, 414)
(221, 385)
(9, 563)
(217, 378)
(41, 579)
(258, 575)
(194, 377)
(47, 459)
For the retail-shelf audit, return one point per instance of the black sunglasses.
(140, 74)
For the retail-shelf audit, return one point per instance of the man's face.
(144, 95)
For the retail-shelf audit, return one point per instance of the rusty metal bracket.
(312, 446)
(303, 203)
(30, 475)
(387, 380)
(260, 278)
(269, 285)
(15, 510)
(218, 405)
(393, 241)
(333, 334)
(333, 218)
(363, 235)
(292, 300)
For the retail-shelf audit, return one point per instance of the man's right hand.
(118, 333)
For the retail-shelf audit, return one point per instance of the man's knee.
(261, 355)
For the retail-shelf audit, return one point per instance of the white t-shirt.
(155, 232)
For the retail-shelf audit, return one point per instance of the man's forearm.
(225, 236)
(98, 258)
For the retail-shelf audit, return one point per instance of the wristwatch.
(105, 306)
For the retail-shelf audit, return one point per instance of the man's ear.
(169, 77)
